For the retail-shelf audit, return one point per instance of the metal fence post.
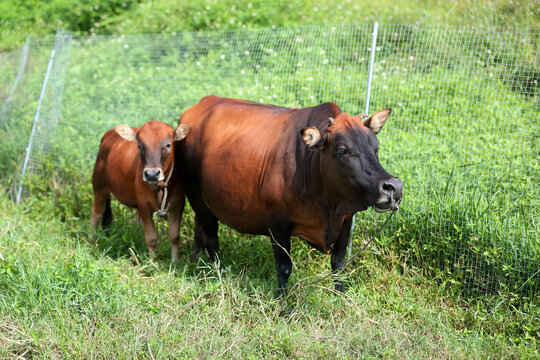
(366, 106)
(36, 120)
(371, 61)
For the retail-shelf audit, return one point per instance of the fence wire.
(463, 135)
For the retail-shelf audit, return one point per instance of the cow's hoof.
(280, 292)
(339, 287)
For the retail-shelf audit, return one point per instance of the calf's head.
(349, 161)
(155, 143)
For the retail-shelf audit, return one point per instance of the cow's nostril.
(388, 187)
(392, 187)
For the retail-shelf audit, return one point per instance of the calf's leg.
(107, 215)
(150, 233)
(101, 209)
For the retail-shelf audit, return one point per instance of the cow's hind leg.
(206, 224)
(280, 236)
(207, 228)
(198, 241)
(339, 249)
(175, 217)
(101, 209)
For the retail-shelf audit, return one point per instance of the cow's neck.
(319, 197)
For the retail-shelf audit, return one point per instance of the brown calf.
(137, 166)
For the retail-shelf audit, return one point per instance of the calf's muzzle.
(152, 175)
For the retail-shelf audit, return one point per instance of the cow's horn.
(331, 121)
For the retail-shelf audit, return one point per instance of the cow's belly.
(236, 209)
(246, 210)
(121, 180)
(124, 193)
(230, 185)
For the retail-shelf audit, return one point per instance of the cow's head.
(155, 143)
(349, 161)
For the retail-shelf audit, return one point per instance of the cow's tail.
(107, 215)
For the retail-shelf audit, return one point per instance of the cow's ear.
(312, 137)
(377, 120)
(181, 132)
(125, 131)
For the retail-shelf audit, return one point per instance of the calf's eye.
(168, 146)
(342, 151)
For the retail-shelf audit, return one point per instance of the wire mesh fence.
(20, 80)
(463, 135)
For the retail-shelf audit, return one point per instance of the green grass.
(85, 17)
(64, 295)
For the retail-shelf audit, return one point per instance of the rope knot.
(163, 211)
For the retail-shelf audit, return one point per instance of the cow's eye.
(168, 146)
(343, 151)
(139, 147)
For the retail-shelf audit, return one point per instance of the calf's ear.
(181, 132)
(377, 120)
(125, 131)
(312, 137)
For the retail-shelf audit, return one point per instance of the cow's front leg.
(150, 233)
(339, 249)
(280, 235)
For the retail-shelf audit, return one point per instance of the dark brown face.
(350, 162)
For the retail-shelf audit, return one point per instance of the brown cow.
(137, 166)
(270, 170)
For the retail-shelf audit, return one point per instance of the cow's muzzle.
(153, 175)
(391, 191)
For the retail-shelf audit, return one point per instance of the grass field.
(454, 276)
(63, 294)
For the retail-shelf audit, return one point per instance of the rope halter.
(163, 210)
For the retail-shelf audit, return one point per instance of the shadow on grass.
(248, 256)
